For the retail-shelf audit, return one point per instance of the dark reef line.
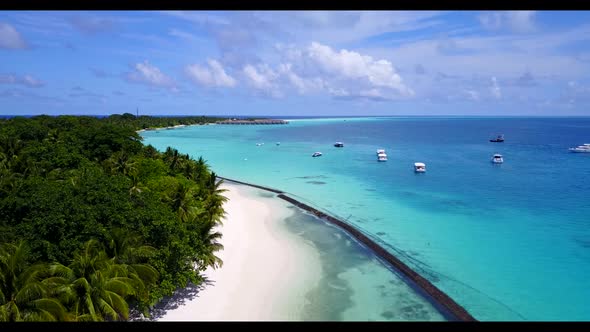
(438, 296)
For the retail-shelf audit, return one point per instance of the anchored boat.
(498, 139)
(581, 148)
(497, 159)
(419, 167)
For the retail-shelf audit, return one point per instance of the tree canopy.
(93, 222)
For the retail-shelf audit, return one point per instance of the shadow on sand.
(180, 297)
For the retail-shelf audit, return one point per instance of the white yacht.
(381, 157)
(419, 167)
(316, 154)
(380, 151)
(581, 148)
(497, 159)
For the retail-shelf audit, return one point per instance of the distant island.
(235, 121)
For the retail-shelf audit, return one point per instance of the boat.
(581, 148)
(339, 144)
(419, 167)
(380, 151)
(316, 154)
(278, 143)
(497, 159)
(382, 157)
(498, 139)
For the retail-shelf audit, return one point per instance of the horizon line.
(315, 116)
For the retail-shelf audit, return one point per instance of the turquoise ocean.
(507, 242)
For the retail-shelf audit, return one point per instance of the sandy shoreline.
(266, 272)
(174, 127)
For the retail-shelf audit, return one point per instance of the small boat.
(316, 154)
(278, 143)
(380, 151)
(498, 139)
(581, 148)
(419, 167)
(497, 159)
(382, 157)
(339, 144)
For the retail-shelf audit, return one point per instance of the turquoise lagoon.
(508, 242)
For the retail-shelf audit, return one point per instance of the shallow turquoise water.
(508, 242)
(354, 285)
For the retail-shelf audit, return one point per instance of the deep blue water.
(508, 241)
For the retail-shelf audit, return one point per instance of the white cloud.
(212, 75)
(303, 85)
(145, 73)
(351, 65)
(314, 69)
(575, 92)
(345, 26)
(181, 34)
(26, 80)
(372, 93)
(91, 24)
(10, 38)
(495, 89)
(262, 78)
(198, 17)
(473, 95)
(520, 21)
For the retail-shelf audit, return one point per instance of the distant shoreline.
(174, 127)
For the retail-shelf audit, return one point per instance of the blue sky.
(295, 62)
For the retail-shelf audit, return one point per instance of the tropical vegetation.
(93, 223)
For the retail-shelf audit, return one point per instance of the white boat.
(497, 159)
(419, 167)
(259, 144)
(316, 154)
(498, 139)
(581, 148)
(339, 144)
(380, 151)
(381, 157)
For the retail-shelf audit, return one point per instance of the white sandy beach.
(266, 272)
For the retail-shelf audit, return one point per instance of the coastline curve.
(438, 296)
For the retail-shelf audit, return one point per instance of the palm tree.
(23, 294)
(172, 157)
(201, 168)
(136, 186)
(11, 145)
(3, 160)
(151, 152)
(213, 203)
(10, 182)
(94, 287)
(52, 137)
(120, 163)
(189, 169)
(210, 239)
(182, 200)
(126, 249)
